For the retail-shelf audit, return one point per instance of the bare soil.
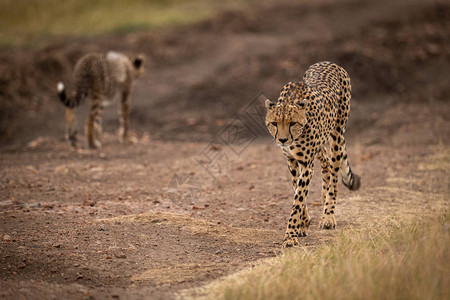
(204, 193)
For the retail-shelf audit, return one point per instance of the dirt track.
(192, 201)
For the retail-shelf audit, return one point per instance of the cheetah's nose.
(282, 140)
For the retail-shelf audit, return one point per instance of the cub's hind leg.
(124, 120)
(94, 124)
(71, 127)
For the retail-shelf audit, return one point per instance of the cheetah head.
(285, 120)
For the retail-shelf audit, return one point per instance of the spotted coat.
(309, 122)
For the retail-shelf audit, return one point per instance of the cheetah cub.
(100, 76)
(308, 122)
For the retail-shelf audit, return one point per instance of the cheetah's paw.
(128, 140)
(96, 144)
(328, 222)
(290, 242)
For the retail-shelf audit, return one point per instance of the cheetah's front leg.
(294, 169)
(299, 219)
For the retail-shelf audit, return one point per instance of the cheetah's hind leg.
(94, 124)
(71, 127)
(124, 119)
(322, 156)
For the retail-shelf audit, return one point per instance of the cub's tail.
(349, 179)
(70, 102)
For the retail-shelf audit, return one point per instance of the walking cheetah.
(102, 77)
(307, 116)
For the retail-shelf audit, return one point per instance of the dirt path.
(192, 201)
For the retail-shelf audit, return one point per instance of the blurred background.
(206, 60)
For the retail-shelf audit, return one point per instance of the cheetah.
(308, 122)
(100, 76)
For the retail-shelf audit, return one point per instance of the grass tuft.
(404, 260)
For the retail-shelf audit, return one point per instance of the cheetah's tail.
(349, 179)
(70, 102)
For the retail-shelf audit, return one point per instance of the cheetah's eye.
(293, 123)
(274, 124)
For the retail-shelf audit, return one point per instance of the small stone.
(89, 202)
(121, 255)
(33, 205)
(63, 170)
(57, 245)
(7, 237)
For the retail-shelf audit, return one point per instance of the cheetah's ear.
(269, 104)
(300, 103)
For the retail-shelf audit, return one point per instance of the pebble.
(89, 202)
(33, 205)
(7, 237)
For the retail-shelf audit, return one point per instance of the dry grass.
(27, 21)
(405, 260)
